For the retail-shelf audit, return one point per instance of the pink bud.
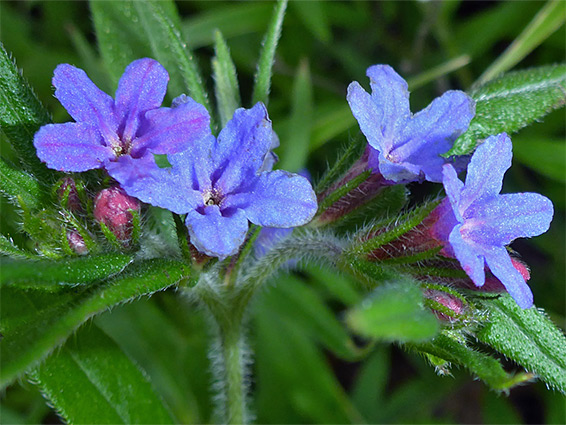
(73, 201)
(76, 242)
(447, 300)
(111, 207)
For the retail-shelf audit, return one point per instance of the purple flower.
(108, 130)
(407, 147)
(220, 185)
(477, 222)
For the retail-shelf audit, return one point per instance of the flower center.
(212, 197)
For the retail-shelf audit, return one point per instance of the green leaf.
(101, 384)
(312, 13)
(21, 115)
(547, 157)
(546, 21)
(330, 120)
(511, 102)
(160, 23)
(19, 187)
(232, 19)
(262, 81)
(527, 337)
(394, 312)
(36, 322)
(56, 274)
(225, 80)
(296, 148)
(485, 367)
(8, 248)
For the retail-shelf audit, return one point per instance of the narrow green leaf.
(34, 323)
(527, 337)
(19, 187)
(119, 35)
(56, 274)
(296, 148)
(511, 102)
(262, 81)
(225, 80)
(101, 384)
(394, 312)
(312, 13)
(485, 367)
(551, 17)
(21, 115)
(438, 71)
(232, 19)
(160, 24)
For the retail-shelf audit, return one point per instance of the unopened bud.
(76, 242)
(68, 194)
(112, 207)
(449, 301)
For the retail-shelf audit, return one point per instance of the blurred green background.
(305, 368)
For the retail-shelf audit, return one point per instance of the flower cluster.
(219, 183)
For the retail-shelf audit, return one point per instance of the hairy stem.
(232, 347)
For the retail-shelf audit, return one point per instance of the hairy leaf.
(36, 322)
(21, 115)
(511, 102)
(90, 380)
(527, 337)
(225, 80)
(20, 187)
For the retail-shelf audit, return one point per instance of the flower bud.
(76, 242)
(447, 300)
(112, 208)
(68, 194)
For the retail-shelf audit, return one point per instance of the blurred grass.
(324, 46)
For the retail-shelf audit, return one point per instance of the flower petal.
(505, 218)
(141, 88)
(471, 257)
(217, 235)
(276, 199)
(84, 101)
(71, 146)
(172, 130)
(390, 93)
(501, 266)
(489, 163)
(453, 187)
(432, 131)
(241, 148)
(369, 117)
(162, 187)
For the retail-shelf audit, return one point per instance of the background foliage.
(307, 368)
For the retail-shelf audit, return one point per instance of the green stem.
(232, 347)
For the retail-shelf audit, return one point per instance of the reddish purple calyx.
(113, 207)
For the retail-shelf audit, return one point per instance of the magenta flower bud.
(112, 208)
(447, 300)
(73, 201)
(76, 242)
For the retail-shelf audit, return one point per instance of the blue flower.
(477, 222)
(406, 147)
(105, 130)
(220, 185)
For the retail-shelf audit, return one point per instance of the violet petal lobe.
(369, 117)
(172, 130)
(500, 264)
(161, 187)
(214, 234)
(469, 255)
(241, 147)
(501, 220)
(453, 187)
(276, 199)
(432, 131)
(487, 167)
(84, 101)
(390, 92)
(141, 88)
(71, 146)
